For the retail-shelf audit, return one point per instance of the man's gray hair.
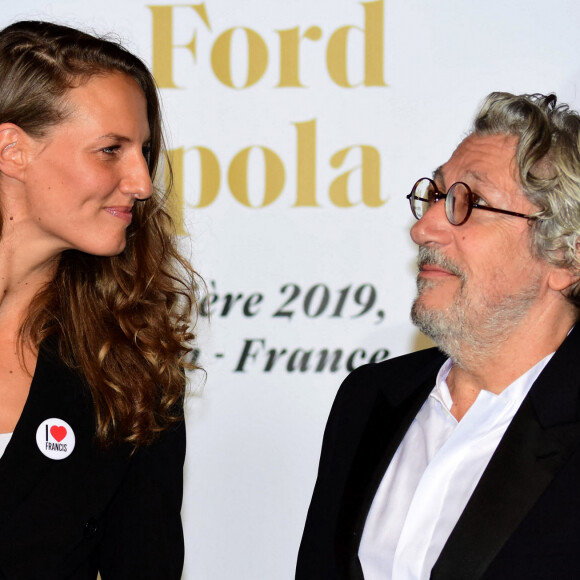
(548, 162)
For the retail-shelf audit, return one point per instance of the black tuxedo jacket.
(523, 519)
(111, 510)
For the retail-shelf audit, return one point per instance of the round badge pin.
(55, 438)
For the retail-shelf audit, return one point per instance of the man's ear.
(13, 144)
(560, 279)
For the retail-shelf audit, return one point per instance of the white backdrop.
(298, 128)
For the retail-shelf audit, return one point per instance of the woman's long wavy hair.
(123, 322)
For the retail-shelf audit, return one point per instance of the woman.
(95, 304)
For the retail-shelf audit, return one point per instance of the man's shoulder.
(404, 366)
(391, 375)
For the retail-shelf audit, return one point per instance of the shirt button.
(90, 528)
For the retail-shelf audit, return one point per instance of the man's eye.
(478, 200)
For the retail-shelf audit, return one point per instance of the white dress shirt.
(432, 476)
(4, 440)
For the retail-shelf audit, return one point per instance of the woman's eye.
(111, 149)
(146, 151)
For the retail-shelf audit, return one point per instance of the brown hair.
(123, 322)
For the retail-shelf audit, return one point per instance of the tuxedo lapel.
(523, 466)
(393, 411)
(540, 439)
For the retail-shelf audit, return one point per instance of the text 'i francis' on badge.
(55, 438)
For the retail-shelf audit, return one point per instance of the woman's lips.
(122, 212)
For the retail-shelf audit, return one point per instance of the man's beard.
(468, 329)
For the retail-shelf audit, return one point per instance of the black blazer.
(523, 519)
(111, 511)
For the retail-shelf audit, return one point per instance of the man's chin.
(436, 324)
(421, 317)
(430, 302)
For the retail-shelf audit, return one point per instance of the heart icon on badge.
(59, 433)
(55, 438)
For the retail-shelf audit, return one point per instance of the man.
(463, 462)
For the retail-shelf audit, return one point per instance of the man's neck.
(494, 369)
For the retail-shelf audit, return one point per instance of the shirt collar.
(513, 393)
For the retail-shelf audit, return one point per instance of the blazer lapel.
(538, 442)
(54, 393)
(394, 410)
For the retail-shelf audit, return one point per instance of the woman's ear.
(13, 143)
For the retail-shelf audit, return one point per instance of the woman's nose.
(137, 181)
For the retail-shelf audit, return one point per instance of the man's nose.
(433, 227)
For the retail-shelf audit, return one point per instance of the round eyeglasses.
(459, 201)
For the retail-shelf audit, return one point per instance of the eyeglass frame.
(439, 195)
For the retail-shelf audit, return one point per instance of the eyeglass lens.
(457, 201)
(423, 197)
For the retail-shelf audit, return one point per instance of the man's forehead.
(473, 176)
(481, 160)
